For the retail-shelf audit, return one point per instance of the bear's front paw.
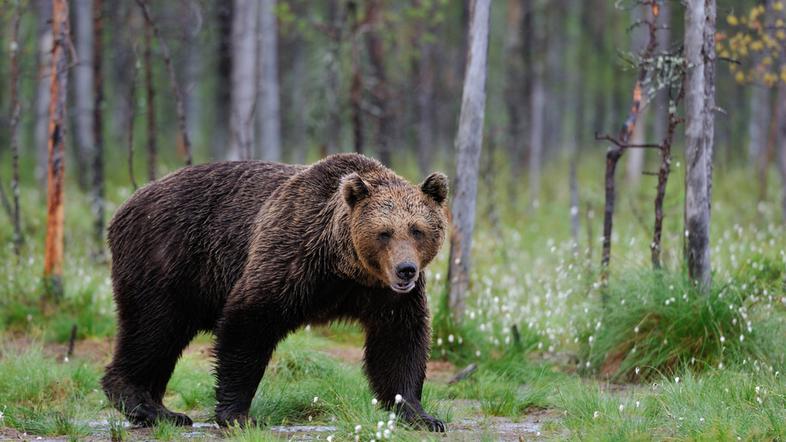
(241, 420)
(425, 421)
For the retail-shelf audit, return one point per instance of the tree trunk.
(699, 55)
(15, 110)
(43, 79)
(758, 123)
(268, 112)
(636, 157)
(356, 88)
(83, 88)
(468, 146)
(150, 104)
(758, 117)
(184, 142)
(191, 73)
(297, 129)
(781, 139)
(423, 73)
(224, 81)
(98, 128)
(537, 104)
(380, 95)
(515, 79)
(333, 83)
(660, 104)
(244, 51)
(53, 248)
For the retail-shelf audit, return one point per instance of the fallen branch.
(464, 374)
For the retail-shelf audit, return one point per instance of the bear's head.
(396, 228)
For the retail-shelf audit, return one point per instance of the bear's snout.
(406, 271)
(406, 275)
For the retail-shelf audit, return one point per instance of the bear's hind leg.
(143, 362)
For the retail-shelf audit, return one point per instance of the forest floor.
(467, 418)
(314, 390)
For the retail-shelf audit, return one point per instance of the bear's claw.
(240, 420)
(424, 421)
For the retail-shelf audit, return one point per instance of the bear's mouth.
(403, 287)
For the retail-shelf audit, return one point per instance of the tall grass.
(659, 323)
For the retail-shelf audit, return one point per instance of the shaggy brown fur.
(252, 251)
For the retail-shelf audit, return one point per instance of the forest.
(614, 261)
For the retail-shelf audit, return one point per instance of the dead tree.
(663, 177)
(43, 79)
(356, 86)
(333, 76)
(83, 90)
(15, 112)
(699, 120)
(150, 100)
(53, 248)
(130, 137)
(99, 206)
(622, 142)
(176, 90)
(468, 146)
(423, 81)
(380, 94)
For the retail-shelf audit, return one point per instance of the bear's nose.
(406, 271)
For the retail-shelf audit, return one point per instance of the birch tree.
(244, 54)
(468, 145)
(268, 112)
(699, 127)
(53, 248)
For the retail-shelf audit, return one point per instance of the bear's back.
(189, 231)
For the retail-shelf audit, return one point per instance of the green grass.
(42, 396)
(657, 324)
(721, 405)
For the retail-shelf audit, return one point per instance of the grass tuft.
(659, 324)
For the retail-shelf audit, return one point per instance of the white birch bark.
(268, 106)
(468, 145)
(244, 64)
(699, 126)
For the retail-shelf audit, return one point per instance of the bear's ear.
(436, 187)
(353, 189)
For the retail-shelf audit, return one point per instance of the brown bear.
(252, 251)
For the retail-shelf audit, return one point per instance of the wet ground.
(529, 427)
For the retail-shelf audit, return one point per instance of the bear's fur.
(252, 251)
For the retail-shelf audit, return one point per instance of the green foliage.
(658, 324)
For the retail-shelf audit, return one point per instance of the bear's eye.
(384, 236)
(416, 233)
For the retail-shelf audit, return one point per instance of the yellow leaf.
(732, 20)
(740, 77)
